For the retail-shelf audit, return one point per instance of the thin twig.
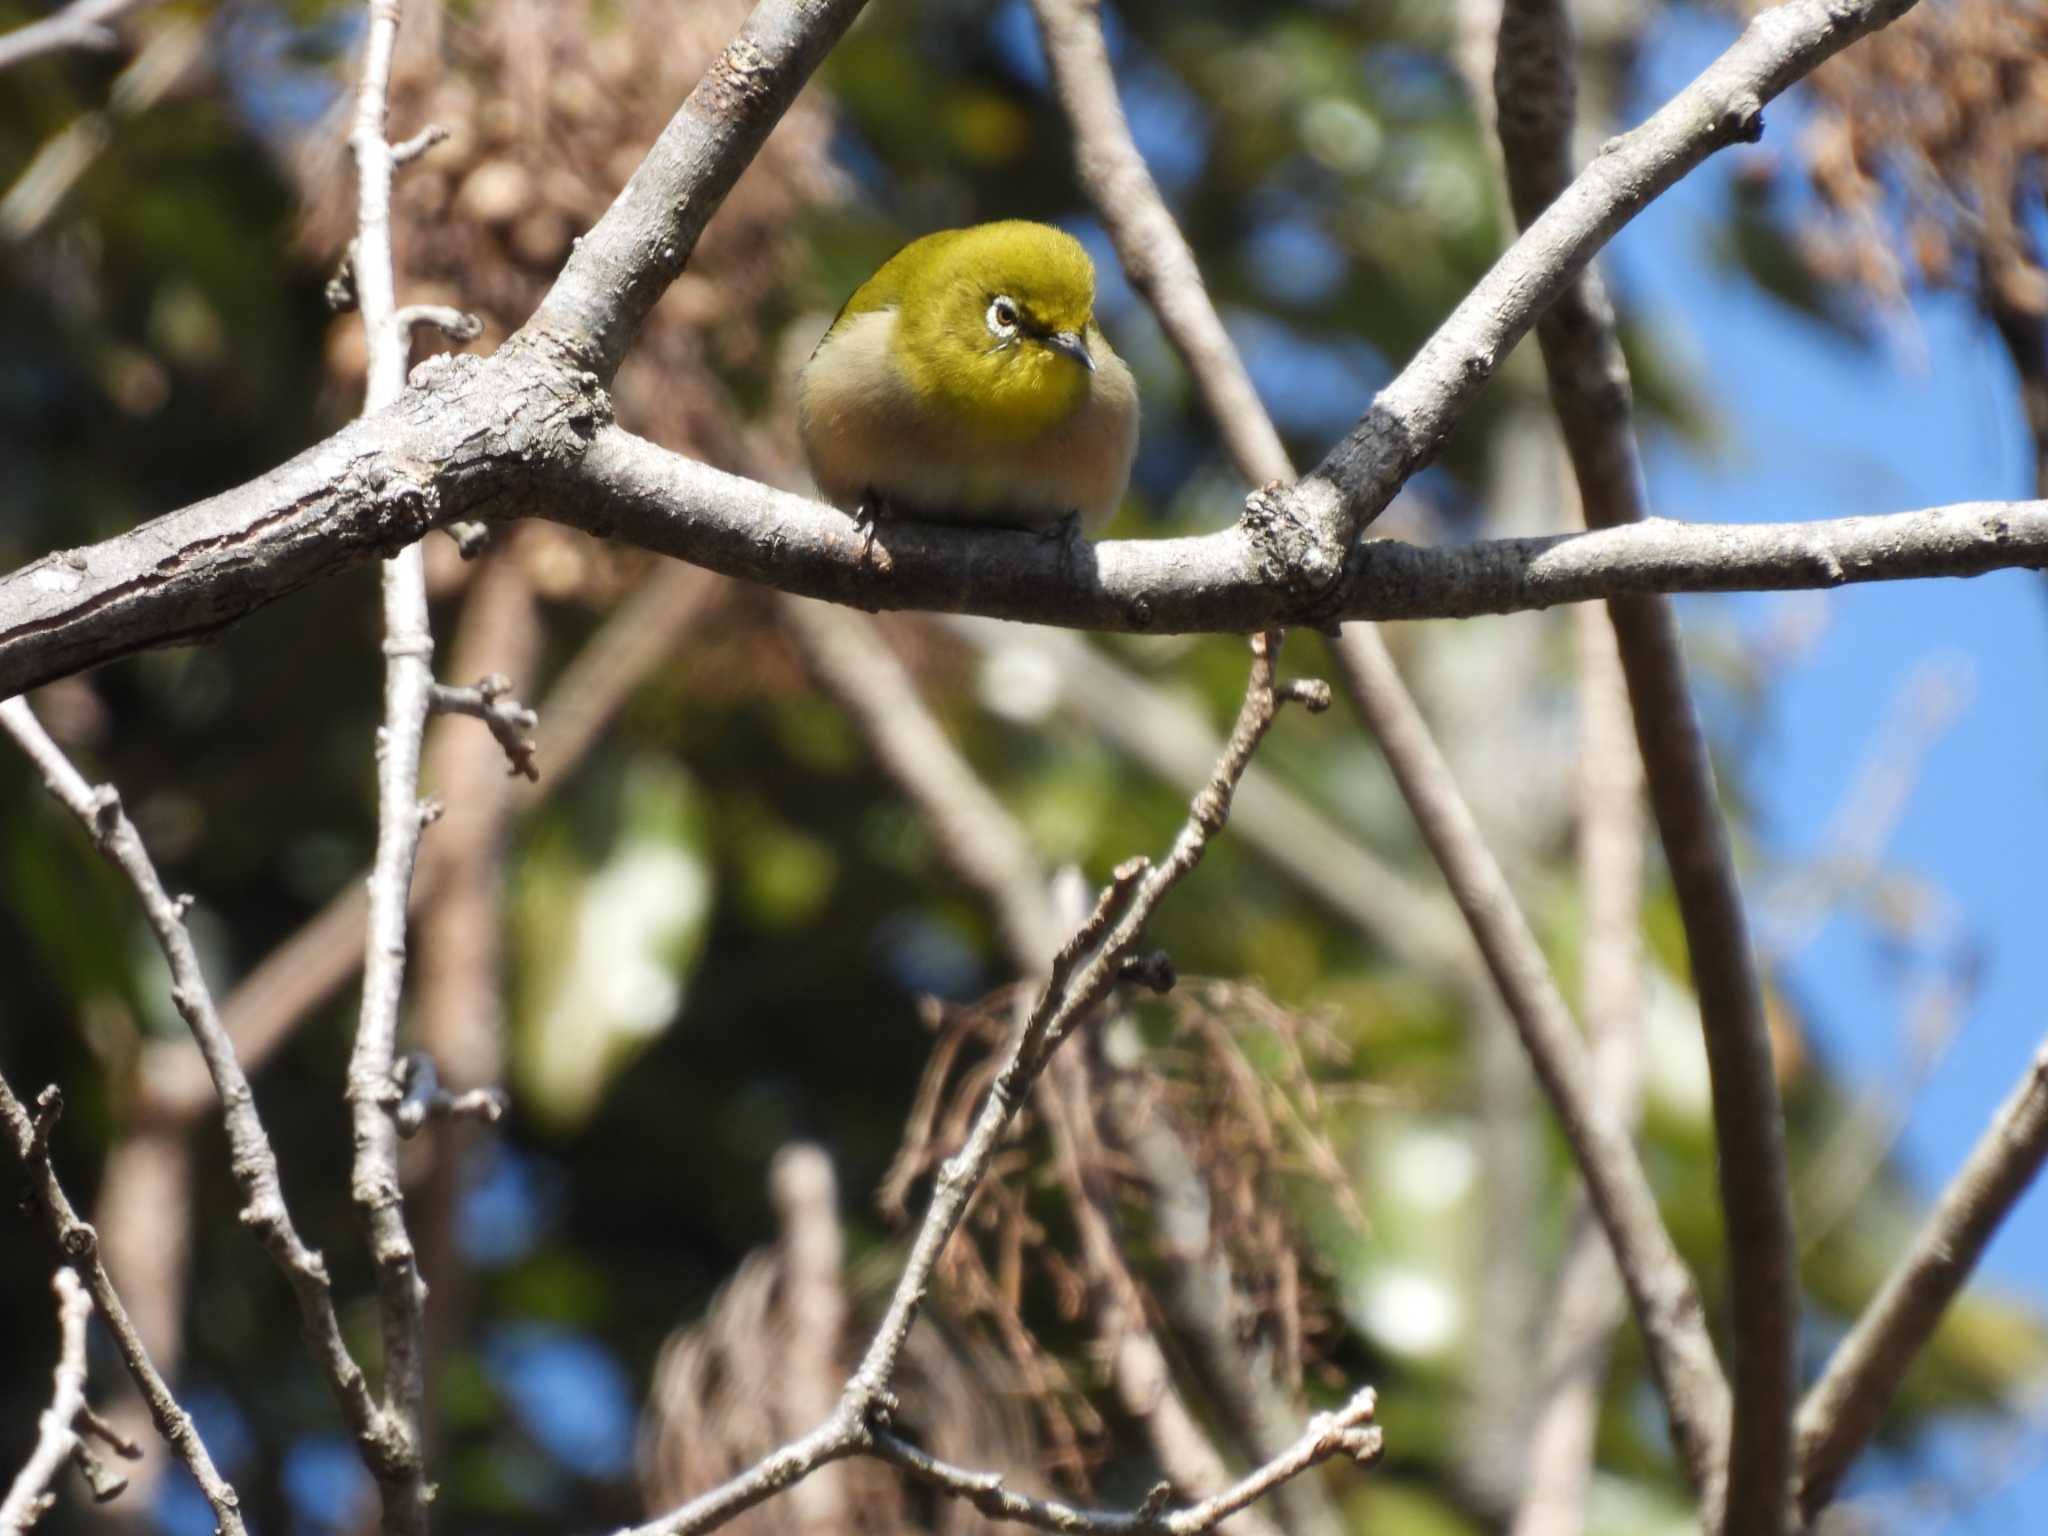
(1148, 241)
(1843, 1409)
(251, 1160)
(80, 1246)
(1666, 1304)
(57, 1433)
(408, 695)
(986, 848)
(1535, 84)
(455, 324)
(1347, 1432)
(416, 1097)
(409, 150)
(509, 720)
(1081, 974)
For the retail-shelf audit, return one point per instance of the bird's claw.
(1067, 530)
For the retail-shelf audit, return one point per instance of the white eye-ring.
(1002, 317)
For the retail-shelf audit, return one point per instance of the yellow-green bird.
(968, 382)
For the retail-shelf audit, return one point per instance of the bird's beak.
(1070, 342)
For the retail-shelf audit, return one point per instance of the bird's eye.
(1002, 316)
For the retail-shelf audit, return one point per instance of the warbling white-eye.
(967, 381)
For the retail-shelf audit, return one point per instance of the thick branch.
(470, 435)
(624, 265)
(195, 571)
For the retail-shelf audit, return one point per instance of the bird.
(966, 381)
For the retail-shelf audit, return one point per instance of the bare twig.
(57, 1433)
(408, 695)
(416, 1096)
(81, 24)
(455, 324)
(251, 1160)
(985, 848)
(406, 151)
(80, 1246)
(458, 1005)
(1154, 254)
(1086, 966)
(509, 720)
(1535, 84)
(1842, 1410)
(1348, 1432)
(1666, 1304)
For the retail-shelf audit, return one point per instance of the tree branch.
(251, 1160)
(1081, 975)
(628, 259)
(79, 1244)
(1842, 1410)
(1535, 83)
(1347, 1432)
(1412, 416)
(503, 436)
(195, 571)
(1666, 1304)
(408, 697)
(57, 1434)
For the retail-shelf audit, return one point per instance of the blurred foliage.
(763, 909)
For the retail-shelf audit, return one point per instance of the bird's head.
(994, 323)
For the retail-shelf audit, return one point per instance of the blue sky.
(1818, 426)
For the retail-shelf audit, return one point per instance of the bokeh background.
(716, 929)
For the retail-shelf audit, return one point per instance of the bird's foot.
(868, 512)
(1068, 531)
